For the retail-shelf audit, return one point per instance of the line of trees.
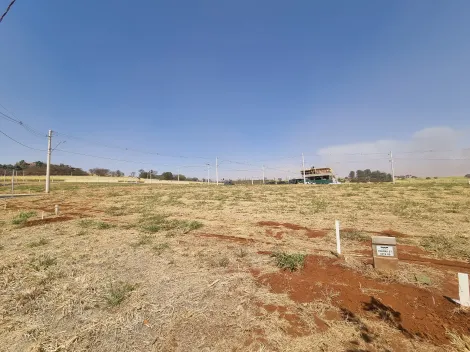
(369, 176)
(38, 168)
(167, 175)
(97, 171)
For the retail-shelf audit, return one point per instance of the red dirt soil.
(47, 221)
(309, 232)
(416, 312)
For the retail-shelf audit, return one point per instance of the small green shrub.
(158, 222)
(116, 293)
(291, 262)
(22, 217)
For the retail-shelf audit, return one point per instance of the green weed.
(292, 262)
(159, 222)
(22, 217)
(116, 293)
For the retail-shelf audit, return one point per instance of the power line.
(130, 149)
(21, 123)
(24, 145)
(7, 10)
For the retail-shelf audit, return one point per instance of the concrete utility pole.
(48, 167)
(303, 166)
(178, 174)
(208, 173)
(217, 170)
(263, 174)
(393, 168)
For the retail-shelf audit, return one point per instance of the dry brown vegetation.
(195, 268)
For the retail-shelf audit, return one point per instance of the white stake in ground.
(464, 294)
(338, 240)
(56, 210)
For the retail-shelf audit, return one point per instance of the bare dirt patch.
(417, 313)
(310, 233)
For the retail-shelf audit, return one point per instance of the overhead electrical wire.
(129, 149)
(7, 10)
(22, 124)
(24, 145)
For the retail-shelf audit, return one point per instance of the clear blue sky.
(243, 80)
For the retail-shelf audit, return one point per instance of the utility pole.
(393, 168)
(217, 170)
(13, 181)
(303, 167)
(263, 174)
(208, 173)
(150, 176)
(178, 174)
(48, 168)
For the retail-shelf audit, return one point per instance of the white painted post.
(57, 209)
(338, 240)
(464, 294)
(42, 215)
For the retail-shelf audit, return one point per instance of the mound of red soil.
(311, 233)
(47, 220)
(416, 312)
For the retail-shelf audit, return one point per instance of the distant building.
(321, 175)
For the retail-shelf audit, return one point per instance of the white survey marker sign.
(385, 251)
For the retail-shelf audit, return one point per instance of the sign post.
(464, 294)
(338, 239)
(384, 251)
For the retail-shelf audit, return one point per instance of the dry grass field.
(232, 268)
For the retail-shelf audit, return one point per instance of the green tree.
(167, 175)
(352, 174)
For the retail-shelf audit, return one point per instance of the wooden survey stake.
(384, 251)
